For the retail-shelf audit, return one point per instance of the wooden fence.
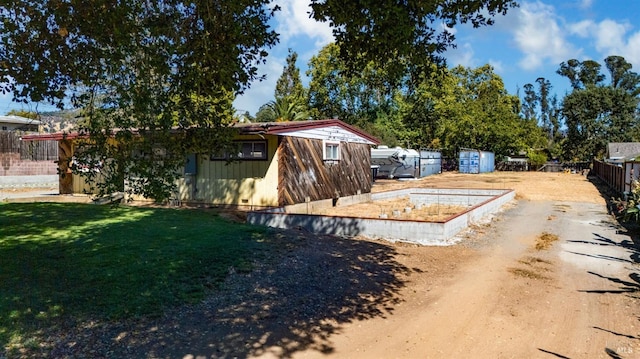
(10, 142)
(612, 175)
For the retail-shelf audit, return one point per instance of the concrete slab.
(480, 203)
(29, 181)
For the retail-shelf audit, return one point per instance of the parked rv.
(398, 162)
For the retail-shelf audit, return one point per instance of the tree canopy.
(141, 70)
(597, 113)
(384, 31)
(290, 103)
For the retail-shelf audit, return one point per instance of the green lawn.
(86, 261)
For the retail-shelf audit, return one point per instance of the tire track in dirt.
(513, 301)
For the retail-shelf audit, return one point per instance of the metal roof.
(292, 128)
(19, 120)
(331, 129)
(308, 128)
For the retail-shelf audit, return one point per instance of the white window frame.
(331, 155)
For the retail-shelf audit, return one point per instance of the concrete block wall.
(420, 232)
(12, 165)
(447, 199)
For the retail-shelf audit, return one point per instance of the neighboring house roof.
(622, 150)
(630, 158)
(18, 120)
(331, 130)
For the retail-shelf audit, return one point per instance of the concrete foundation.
(480, 202)
(29, 181)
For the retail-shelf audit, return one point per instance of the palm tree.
(286, 108)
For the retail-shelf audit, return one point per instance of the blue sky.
(529, 42)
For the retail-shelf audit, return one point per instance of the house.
(280, 163)
(617, 152)
(18, 123)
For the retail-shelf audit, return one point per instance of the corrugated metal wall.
(474, 161)
(430, 163)
(303, 173)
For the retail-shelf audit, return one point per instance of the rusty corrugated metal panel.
(303, 173)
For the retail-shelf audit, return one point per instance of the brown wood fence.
(612, 175)
(10, 142)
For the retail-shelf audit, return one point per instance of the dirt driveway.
(552, 276)
(496, 296)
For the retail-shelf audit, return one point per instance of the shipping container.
(475, 161)
(430, 162)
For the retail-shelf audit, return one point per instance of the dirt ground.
(551, 276)
(395, 208)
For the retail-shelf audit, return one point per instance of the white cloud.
(294, 20)
(632, 51)
(298, 32)
(540, 37)
(585, 4)
(581, 28)
(610, 37)
(462, 55)
(498, 66)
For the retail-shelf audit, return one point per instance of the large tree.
(386, 30)
(544, 110)
(290, 102)
(598, 113)
(143, 69)
(158, 76)
(477, 112)
(353, 97)
(289, 83)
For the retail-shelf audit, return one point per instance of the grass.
(60, 261)
(545, 241)
(527, 273)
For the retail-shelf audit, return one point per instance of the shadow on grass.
(293, 306)
(288, 290)
(70, 262)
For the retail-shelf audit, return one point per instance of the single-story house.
(19, 123)
(282, 163)
(617, 152)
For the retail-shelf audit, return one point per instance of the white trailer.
(396, 162)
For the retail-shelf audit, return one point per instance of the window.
(245, 150)
(256, 150)
(331, 151)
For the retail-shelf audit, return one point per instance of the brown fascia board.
(53, 136)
